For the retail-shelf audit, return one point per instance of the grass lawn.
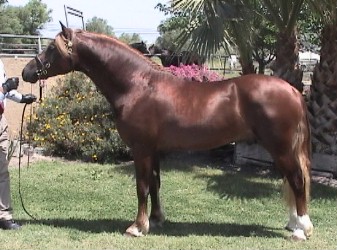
(88, 206)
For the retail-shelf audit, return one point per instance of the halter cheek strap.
(42, 69)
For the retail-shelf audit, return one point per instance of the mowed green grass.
(89, 206)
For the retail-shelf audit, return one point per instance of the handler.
(8, 90)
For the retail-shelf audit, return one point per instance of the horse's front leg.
(157, 217)
(146, 183)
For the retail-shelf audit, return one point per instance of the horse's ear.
(66, 32)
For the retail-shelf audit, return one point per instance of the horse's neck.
(107, 63)
(114, 70)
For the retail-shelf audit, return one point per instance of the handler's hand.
(28, 98)
(10, 84)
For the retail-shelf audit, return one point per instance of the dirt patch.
(26, 160)
(13, 111)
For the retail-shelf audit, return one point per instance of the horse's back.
(263, 83)
(267, 91)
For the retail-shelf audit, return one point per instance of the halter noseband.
(42, 68)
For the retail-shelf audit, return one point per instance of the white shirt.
(14, 95)
(3, 77)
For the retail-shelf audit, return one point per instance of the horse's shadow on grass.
(232, 182)
(178, 229)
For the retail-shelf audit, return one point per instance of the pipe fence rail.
(22, 45)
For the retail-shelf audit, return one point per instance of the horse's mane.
(60, 39)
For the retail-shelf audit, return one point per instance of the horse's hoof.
(309, 231)
(128, 234)
(298, 235)
(133, 233)
(306, 225)
(157, 223)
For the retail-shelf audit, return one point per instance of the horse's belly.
(201, 138)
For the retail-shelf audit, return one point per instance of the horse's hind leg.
(291, 202)
(296, 190)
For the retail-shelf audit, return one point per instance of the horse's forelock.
(60, 42)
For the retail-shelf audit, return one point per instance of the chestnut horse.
(157, 112)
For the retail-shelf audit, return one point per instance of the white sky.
(134, 16)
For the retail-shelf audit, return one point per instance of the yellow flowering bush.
(76, 122)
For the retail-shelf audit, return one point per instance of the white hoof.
(136, 230)
(133, 232)
(298, 235)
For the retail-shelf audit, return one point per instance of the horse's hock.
(13, 110)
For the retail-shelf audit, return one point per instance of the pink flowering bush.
(195, 73)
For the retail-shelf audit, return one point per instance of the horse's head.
(58, 58)
(141, 47)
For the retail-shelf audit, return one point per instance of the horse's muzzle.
(29, 75)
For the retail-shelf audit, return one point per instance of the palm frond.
(209, 28)
(205, 37)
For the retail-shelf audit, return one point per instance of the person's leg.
(6, 221)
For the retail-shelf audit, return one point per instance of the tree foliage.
(24, 20)
(10, 23)
(171, 28)
(99, 25)
(130, 38)
(310, 26)
(33, 15)
(249, 25)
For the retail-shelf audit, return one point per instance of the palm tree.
(323, 98)
(217, 24)
(284, 15)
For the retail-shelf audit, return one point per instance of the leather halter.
(41, 68)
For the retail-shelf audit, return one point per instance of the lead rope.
(28, 155)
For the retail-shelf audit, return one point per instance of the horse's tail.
(302, 150)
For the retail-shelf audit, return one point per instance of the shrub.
(196, 73)
(76, 122)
